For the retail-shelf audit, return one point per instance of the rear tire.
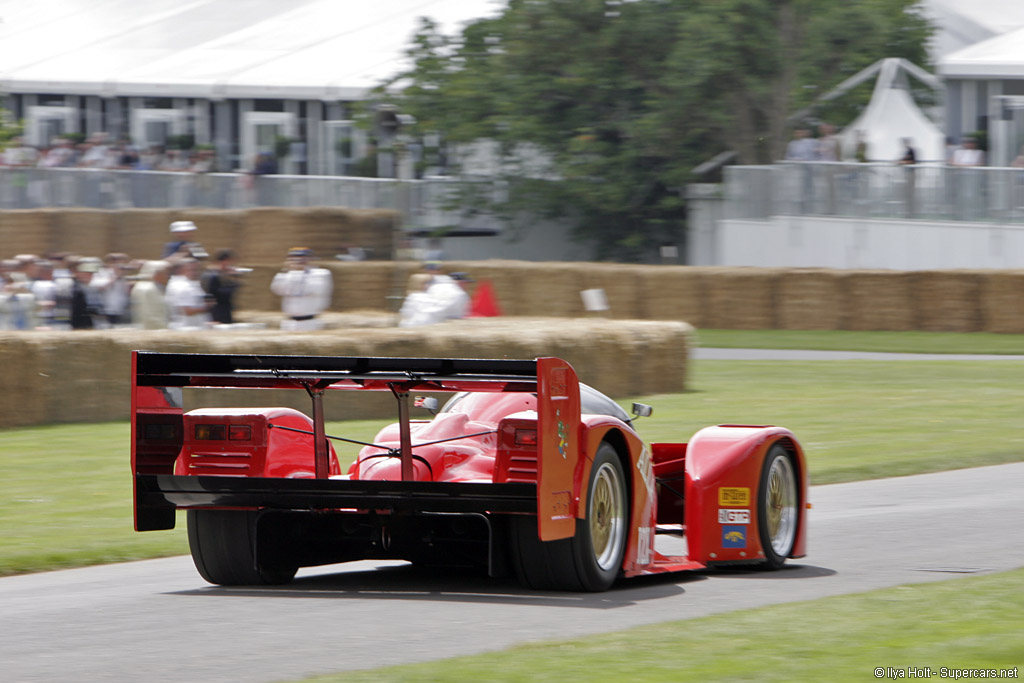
(224, 549)
(777, 506)
(592, 558)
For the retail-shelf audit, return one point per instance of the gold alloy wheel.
(607, 516)
(781, 505)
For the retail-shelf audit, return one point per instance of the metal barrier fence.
(426, 202)
(872, 190)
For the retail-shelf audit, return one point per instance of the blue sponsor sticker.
(734, 536)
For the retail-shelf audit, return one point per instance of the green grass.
(963, 623)
(65, 497)
(859, 419)
(892, 342)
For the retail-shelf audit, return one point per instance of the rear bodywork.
(444, 490)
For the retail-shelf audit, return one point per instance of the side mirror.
(428, 402)
(642, 410)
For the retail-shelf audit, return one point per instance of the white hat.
(89, 265)
(183, 226)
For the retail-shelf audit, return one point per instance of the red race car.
(524, 470)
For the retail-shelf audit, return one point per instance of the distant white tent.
(892, 114)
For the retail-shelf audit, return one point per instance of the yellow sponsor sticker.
(734, 496)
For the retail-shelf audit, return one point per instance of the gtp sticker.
(734, 536)
(734, 497)
(733, 516)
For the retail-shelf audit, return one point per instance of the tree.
(9, 128)
(621, 98)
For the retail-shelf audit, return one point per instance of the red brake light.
(208, 432)
(240, 433)
(526, 437)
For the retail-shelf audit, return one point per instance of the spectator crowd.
(63, 291)
(187, 289)
(99, 151)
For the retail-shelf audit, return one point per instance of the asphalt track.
(158, 621)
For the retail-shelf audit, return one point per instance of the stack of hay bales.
(741, 298)
(258, 236)
(551, 289)
(83, 231)
(270, 232)
(877, 300)
(140, 233)
(54, 377)
(25, 232)
(810, 299)
(946, 301)
(1002, 301)
(671, 293)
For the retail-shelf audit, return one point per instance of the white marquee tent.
(328, 49)
(892, 115)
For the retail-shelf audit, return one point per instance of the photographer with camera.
(220, 281)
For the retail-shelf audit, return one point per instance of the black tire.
(592, 558)
(223, 549)
(778, 501)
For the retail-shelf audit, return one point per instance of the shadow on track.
(406, 582)
(787, 571)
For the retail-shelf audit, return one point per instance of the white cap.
(183, 226)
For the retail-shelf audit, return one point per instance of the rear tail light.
(208, 432)
(526, 437)
(240, 433)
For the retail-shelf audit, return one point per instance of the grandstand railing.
(429, 200)
(875, 190)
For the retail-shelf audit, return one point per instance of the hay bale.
(551, 289)
(26, 232)
(947, 301)
(741, 298)
(77, 377)
(620, 285)
(878, 300)
(367, 285)
(810, 299)
(267, 234)
(86, 232)
(371, 229)
(255, 294)
(140, 233)
(671, 293)
(84, 376)
(216, 229)
(1002, 301)
(22, 390)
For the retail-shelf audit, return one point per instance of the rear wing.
(158, 380)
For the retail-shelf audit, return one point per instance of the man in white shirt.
(444, 298)
(305, 291)
(149, 304)
(186, 301)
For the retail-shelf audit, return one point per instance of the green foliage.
(9, 128)
(184, 142)
(621, 99)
